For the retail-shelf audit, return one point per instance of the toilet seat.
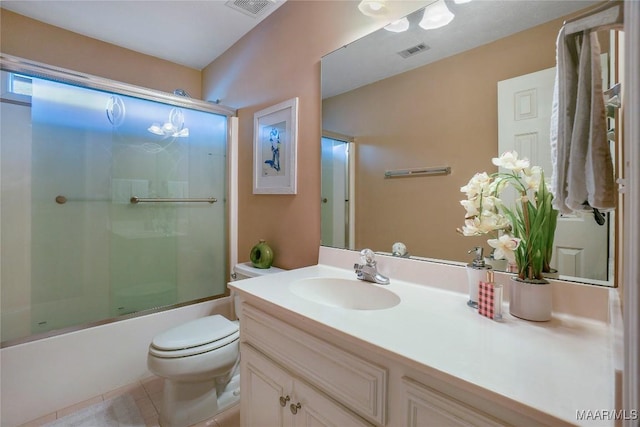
(195, 337)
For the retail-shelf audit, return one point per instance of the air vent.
(414, 50)
(252, 8)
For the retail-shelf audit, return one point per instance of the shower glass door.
(76, 248)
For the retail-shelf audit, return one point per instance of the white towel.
(601, 189)
(562, 112)
(582, 176)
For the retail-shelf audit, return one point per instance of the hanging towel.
(582, 177)
(562, 113)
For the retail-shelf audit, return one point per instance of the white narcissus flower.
(509, 160)
(504, 247)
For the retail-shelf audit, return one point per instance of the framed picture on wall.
(275, 139)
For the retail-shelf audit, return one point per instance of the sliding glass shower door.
(111, 204)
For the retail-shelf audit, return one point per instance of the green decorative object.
(261, 255)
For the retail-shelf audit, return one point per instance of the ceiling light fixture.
(398, 26)
(461, 1)
(373, 7)
(436, 15)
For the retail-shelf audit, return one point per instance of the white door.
(524, 117)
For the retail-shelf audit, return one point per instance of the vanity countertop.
(557, 367)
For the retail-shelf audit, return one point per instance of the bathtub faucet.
(367, 270)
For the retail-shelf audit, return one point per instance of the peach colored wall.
(444, 113)
(279, 60)
(37, 41)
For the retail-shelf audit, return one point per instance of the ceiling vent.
(254, 8)
(414, 50)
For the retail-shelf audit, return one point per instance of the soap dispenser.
(476, 272)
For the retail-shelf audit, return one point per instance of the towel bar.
(135, 200)
(436, 170)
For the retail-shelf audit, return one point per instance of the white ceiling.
(191, 33)
(479, 22)
(195, 32)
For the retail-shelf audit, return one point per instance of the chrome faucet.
(367, 270)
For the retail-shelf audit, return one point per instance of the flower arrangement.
(526, 231)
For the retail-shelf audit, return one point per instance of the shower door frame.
(14, 64)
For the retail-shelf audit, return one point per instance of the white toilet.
(199, 361)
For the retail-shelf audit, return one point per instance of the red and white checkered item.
(486, 299)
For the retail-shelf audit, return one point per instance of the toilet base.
(188, 403)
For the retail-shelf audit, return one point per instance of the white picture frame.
(275, 140)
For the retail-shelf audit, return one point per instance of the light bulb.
(436, 15)
(398, 26)
(373, 7)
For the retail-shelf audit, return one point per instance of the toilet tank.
(246, 270)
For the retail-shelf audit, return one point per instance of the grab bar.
(135, 200)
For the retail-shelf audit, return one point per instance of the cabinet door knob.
(284, 400)
(294, 408)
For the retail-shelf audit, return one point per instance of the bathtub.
(40, 377)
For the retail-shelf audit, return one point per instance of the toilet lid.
(195, 333)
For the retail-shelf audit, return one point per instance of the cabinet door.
(265, 391)
(428, 407)
(314, 409)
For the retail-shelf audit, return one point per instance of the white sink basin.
(345, 293)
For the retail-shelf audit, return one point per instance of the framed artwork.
(275, 139)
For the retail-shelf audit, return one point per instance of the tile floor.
(148, 395)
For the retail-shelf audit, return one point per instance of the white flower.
(470, 227)
(478, 184)
(509, 160)
(471, 207)
(532, 177)
(491, 203)
(491, 221)
(504, 247)
(485, 223)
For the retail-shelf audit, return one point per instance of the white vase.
(530, 300)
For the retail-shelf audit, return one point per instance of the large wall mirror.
(446, 98)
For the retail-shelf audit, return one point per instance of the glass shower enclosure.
(113, 202)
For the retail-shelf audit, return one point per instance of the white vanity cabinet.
(430, 361)
(273, 397)
(289, 377)
(292, 378)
